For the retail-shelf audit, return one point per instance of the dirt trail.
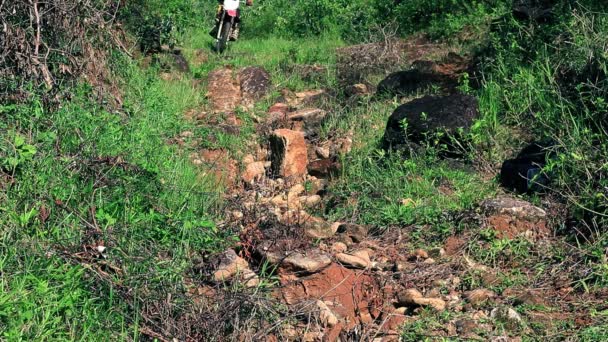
(337, 280)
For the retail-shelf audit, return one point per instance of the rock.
(310, 201)
(309, 97)
(479, 296)
(506, 315)
(248, 159)
(350, 292)
(317, 228)
(310, 116)
(253, 171)
(289, 154)
(317, 185)
(324, 168)
(296, 190)
(230, 265)
(513, 207)
(312, 336)
(414, 297)
(355, 232)
(250, 279)
(255, 83)
(277, 113)
(237, 214)
(357, 260)
(327, 318)
(511, 217)
(358, 89)
(524, 173)
(323, 152)
(450, 116)
(345, 144)
(310, 262)
(279, 201)
(339, 247)
(223, 90)
(421, 253)
(445, 74)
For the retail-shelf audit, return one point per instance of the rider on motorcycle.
(237, 24)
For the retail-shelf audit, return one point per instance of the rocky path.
(341, 280)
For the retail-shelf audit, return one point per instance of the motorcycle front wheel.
(224, 35)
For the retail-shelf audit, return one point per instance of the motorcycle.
(228, 19)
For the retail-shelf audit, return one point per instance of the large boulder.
(255, 84)
(524, 172)
(289, 154)
(424, 74)
(223, 91)
(451, 116)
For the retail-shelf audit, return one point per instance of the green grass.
(100, 178)
(374, 184)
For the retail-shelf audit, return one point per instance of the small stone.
(326, 316)
(279, 201)
(479, 296)
(361, 260)
(429, 261)
(323, 152)
(318, 228)
(311, 262)
(413, 296)
(253, 171)
(237, 214)
(230, 265)
(506, 315)
(356, 232)
(403, 266)
(421, 253)
(317, 185)
(310, 116)
(400, 311)
(248, 159)
(339, 247)
(250, 279)
(310, 201)
(296, 190)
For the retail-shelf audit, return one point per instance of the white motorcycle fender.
(231, 5)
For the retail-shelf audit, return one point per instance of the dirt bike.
(228, 18)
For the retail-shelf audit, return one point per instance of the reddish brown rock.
(289, 154)
(345, 288)
(223, 91)
(253, 171)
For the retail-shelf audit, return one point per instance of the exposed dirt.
(342, 281)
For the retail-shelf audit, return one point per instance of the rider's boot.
(235, 32)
